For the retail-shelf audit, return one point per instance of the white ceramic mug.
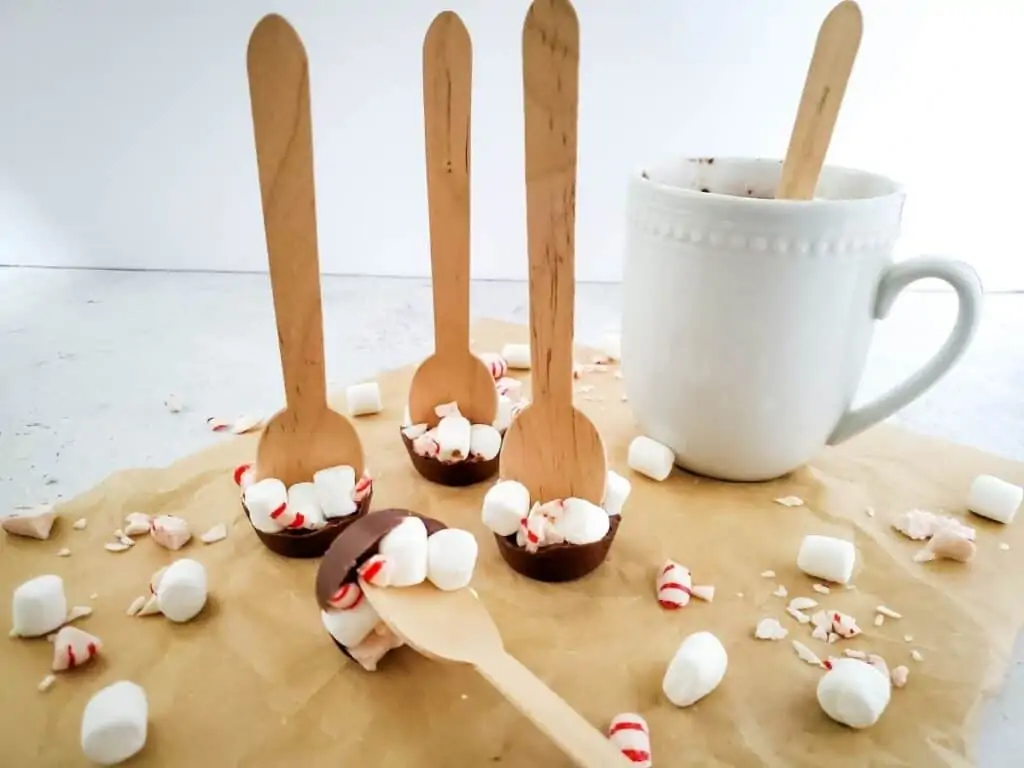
(747, 320)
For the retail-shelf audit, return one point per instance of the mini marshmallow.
(72, 648)
(34, 523)
(994, 498)
(854, 693)
(510, 388)
(413, 431)
(495, 364)
(630, 734)
(350, 627)
(506, 504)
(453, 434)
(517, 356)
(611, 346)
(451, 558)
(334, 487)
(266, 501)
(170, 531)
(181, 593)
(484, 442)
(696, 669)
(581, 522)
(244, 476)
(137, 523)
(114, 723)
(405, 546)
(375, 647)
(363, 399)
(503, 417)
(39, 606)
(827, 558)
(616, 491)
(304, 504)
(650, 458)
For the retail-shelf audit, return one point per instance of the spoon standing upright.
(552, 448)
(452, 373)
(824, 87)
(306, 435)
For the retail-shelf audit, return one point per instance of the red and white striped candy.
(673, 585)
(286, 518)
(426, 445)
(538, 527)
(244, 475)
(363, 488)
(73, 647)
(630, 734)
(376, 571)
(495, 363)
(347, 597)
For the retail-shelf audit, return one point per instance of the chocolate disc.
(458, 474)
(307, 544)
(558, 562)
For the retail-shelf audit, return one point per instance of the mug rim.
(896, 190)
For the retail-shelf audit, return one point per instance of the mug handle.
(964, 280)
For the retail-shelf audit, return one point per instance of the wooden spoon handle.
(279, 91)
(447, 83)
(827, 76)
(577, 738)
(550, 93)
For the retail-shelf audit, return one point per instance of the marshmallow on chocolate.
(170, 531)
(350, 626)
(34, 523)
(405, 547)
(114, 723)
(581, 522)
(73, 647)
(266, 502)
(505, 413)
(616, 491)
(696, 669)
(181, 590)
(334, 487)
(451, 558)
(452, 434)
(506, 504)
(825, 557)
(303, 500)
(854, 692)
(484, 442)
(39, 606)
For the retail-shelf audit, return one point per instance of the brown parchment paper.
(255, 681)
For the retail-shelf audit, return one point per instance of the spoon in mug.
(552, 448)
(824, 87)
(452, 373)
(307, 435)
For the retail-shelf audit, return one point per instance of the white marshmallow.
(505, 414)
(303, 500)
(517, 356)
(181, 593)
(39, 606)
(266, 501)
(611, 345)
(451, 558)
(406, 417)
(334, 487)
(453, 434)
(484, 442)
(363, 399)
(854, 693)
(506, 504)
(696, 669)
(616, 491)
(35, 523)
(350, 627)
(405, 547)
(650, 458)
(994, 498)
(510, 388)
(581, 522)
(170, 531)
(828, 558)
(415, 430)
(114, 723)
(73, 647)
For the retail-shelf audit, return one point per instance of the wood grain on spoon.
(551, 447)
(455, 626)
(306, 436)
(452, 373)
(827, 76)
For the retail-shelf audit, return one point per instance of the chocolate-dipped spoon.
(552, 448)
(307, 435)
(452, 373)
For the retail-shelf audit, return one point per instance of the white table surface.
(88, 357)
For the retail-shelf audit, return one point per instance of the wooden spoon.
(452, 373)
(831, 64)
(307, 435)
(455, 626)
(552, 448)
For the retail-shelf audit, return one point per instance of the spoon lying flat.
(827, 76)
(307, 435)
(452, 373)
(455, 626)
(552, 448)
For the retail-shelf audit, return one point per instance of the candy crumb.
(790, 501)
(219, 532)
(174, 403)
(94, 595)
(908, 638)
(803, 618)
(770, 629)
(79, 612)
(767, 574)
(806, 654)
(821, 589)
(46, 683)
(885, 611)
(79, 524)
(916, 655)
(899, 676)
(879, 619)
(64, 552)
(1004, 546)
(116, 546)
(853, 653)
(136, 606)
(869, 511)
(781, 591)
(802, 603)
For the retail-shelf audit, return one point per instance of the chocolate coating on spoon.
(558, 562)
(458, 474)
(306, 544)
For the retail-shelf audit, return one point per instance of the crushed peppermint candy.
(790, 501)
(821, 589)
(768, 574)
(889, 612)
(781, 591)
(802, 603)
(770, 629)
(807, 655)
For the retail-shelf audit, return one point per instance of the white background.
(126, 137)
